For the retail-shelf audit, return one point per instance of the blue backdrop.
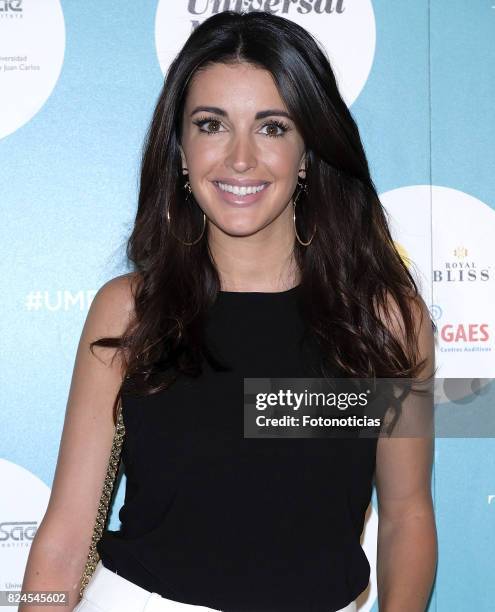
(78, 83)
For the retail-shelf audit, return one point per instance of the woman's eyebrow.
(259, 115)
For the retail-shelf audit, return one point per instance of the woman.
(260, 249)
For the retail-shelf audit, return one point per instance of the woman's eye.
(202, 122)
(277, 128)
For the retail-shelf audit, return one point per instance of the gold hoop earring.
(187, 187)
(302, 187)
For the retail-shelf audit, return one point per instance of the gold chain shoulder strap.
(101, 517)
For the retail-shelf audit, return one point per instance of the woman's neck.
(261, 261)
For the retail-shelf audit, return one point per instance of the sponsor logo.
(13, 533)
(461, 268)
(11, 9)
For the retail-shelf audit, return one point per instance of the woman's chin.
(240, 229)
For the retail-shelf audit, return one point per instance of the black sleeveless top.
(240, 524)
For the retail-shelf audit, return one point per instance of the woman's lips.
(238, 200)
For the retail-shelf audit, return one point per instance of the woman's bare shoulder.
(114, 301)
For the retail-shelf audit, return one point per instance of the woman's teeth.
(241, 191)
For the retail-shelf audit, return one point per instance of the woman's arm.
(407, 539)
(60, 547)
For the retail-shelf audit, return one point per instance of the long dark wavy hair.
(348, 272)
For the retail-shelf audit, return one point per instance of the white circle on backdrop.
(348, 37)
(464, 283)
(22, 506)
(448, 234)
(32, 48)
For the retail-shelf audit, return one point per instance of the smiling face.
(241, 149)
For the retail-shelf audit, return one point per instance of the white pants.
(106, 591)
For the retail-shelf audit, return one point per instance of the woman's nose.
(241, 154)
